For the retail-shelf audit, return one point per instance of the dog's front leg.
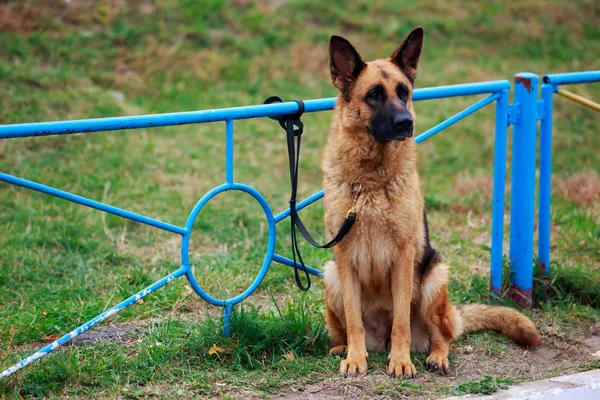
(356, 361)
(399, 364)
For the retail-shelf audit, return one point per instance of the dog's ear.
(344, 63)
(406, 57)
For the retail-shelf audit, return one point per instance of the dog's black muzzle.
(402, 126)
(399, 127)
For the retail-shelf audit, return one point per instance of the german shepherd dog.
(387, 290)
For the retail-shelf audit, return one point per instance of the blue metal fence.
(520, 115)
(524, 115)
(550, 85)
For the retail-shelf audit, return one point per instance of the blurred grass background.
(61, 264)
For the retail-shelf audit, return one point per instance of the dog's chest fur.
(386, 215)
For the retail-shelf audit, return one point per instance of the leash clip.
(357, 190)
(351, 214)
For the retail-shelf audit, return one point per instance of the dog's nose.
(402, 121)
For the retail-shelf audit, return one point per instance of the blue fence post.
(545, 178)
(229, 151)
(522, 195)
(227, 310)
(498, 195)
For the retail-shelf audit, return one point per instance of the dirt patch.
(544, 355)
(467, 185)
(337, 389)
(114, 333)
(313, 59)
(471, 362)
(480, 267)
(27, 17)
(592, 343)
(22, 18)
(581, 188)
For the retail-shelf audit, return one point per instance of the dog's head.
(378, 92)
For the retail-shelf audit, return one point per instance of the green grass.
(62, 264)
(487, 385)
(170, 350)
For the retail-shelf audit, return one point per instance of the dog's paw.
(353, 366)
(338, 350)
(401, 368)
(437, 363)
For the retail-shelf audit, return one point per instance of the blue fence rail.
(521, 216)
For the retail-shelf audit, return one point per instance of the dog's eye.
(402, 91)
(376, 94)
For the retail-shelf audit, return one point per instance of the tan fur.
(375, 297)
(508, 322)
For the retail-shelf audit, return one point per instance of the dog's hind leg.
(337, 334)
(439, 316)
(334, 314)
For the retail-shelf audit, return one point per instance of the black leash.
(294, 128)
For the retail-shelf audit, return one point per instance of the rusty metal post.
(522, 195)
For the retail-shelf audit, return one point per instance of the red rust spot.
(525, 81)
(496, 291)
(521, 297)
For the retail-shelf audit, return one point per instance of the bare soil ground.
(554, 357)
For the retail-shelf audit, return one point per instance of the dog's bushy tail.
(506, 321)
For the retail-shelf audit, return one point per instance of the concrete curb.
(583, 386)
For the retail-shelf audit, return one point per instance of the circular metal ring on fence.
(186, 241)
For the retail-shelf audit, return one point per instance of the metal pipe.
(572, 78)
(227, 311)
(467, 89)
(498, 196)
(157, 120)
(229, 152)
(185, 259)
(91, 203)
(545, 178)
(457, 117)
(578, 99)
(290, 263)
(306, 202)
(222, 114)
(92, 323)
(523, 188)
